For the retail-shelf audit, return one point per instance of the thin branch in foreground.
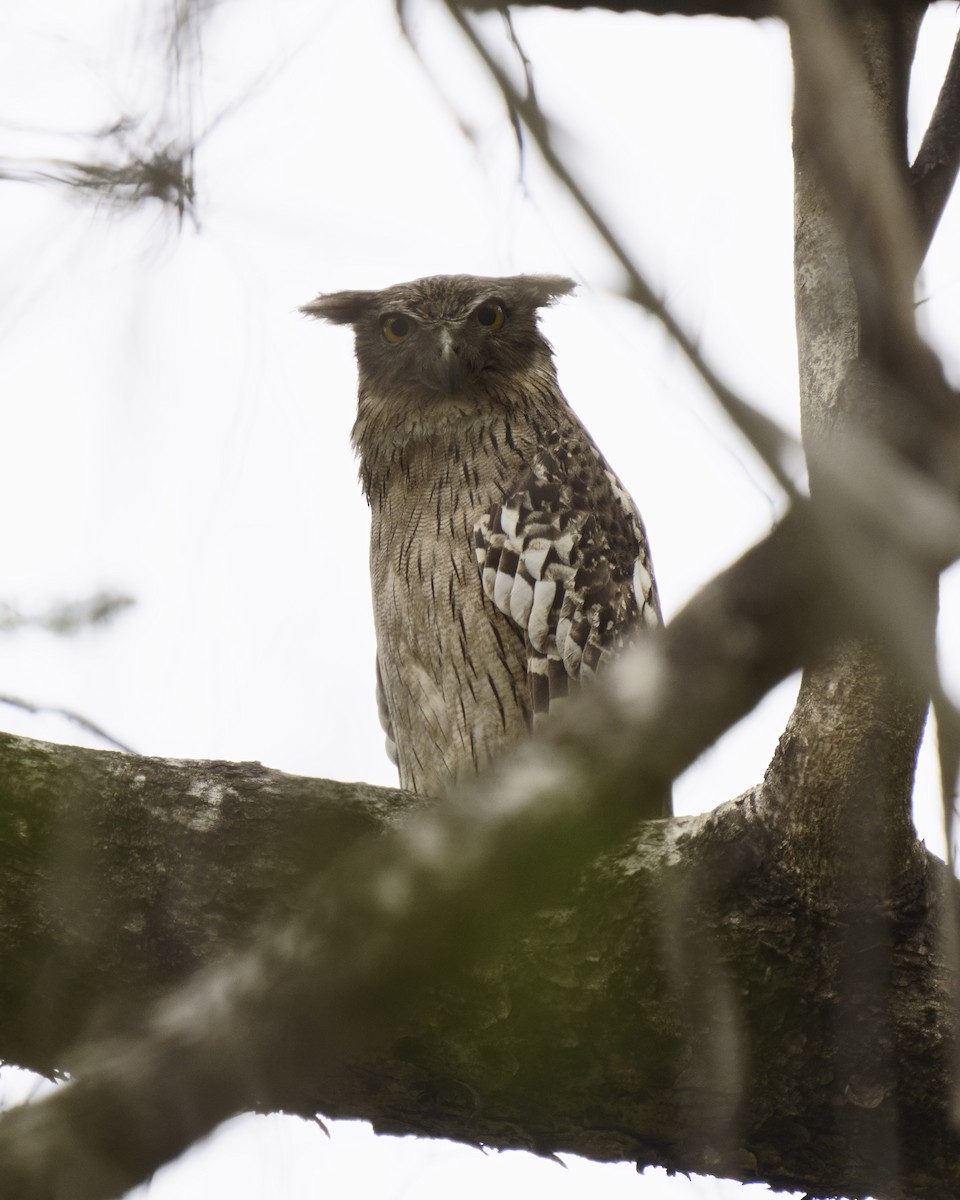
(70, 715)
(778, 450)
(69, 618)
(658, 8)
(400, 9)
(934, 171)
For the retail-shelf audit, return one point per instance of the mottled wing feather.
(565, 558)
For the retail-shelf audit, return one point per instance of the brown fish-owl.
(507, 561)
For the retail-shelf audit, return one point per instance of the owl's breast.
(453, 668)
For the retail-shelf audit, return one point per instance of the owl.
(507, 561)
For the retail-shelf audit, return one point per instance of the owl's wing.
(565, 558)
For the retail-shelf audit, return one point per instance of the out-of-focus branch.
(753, 9)
(363, 970)
(145, 157)
(69, 715)
(657, 8)
(66, 618)
(775, 446)
(162, 174)
(934, 172)
(682, 993)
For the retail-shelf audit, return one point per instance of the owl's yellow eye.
(491, 316)
(396, 327)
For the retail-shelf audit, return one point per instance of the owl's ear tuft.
(341, 308)
(546, 289)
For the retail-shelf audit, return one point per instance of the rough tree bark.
(763, 992)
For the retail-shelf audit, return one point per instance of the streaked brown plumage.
(507, 561)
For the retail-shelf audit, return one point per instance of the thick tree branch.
(862, 366)
(857, 246)
(123, 874)
(422, 905)
(685, 996)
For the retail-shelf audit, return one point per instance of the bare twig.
(938, 160)
(137, 172)
(143, 158)
(778, 450)
(658, 8)
(68, 714)
(68, 618)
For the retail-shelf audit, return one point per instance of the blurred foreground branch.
(375, 991)
(934, 172)
(658, 8)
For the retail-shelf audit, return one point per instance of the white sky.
(172, 429)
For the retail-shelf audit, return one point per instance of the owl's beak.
(449, 370)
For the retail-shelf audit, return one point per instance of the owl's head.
(461, 336)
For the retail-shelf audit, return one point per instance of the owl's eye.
(491, 316)
(396, 327)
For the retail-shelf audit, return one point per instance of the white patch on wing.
(509, 516)
(564, 557)
(534, 556)
(521, 601)
(503, 586)
(564, 546)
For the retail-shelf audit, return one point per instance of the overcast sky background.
(172, 429)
